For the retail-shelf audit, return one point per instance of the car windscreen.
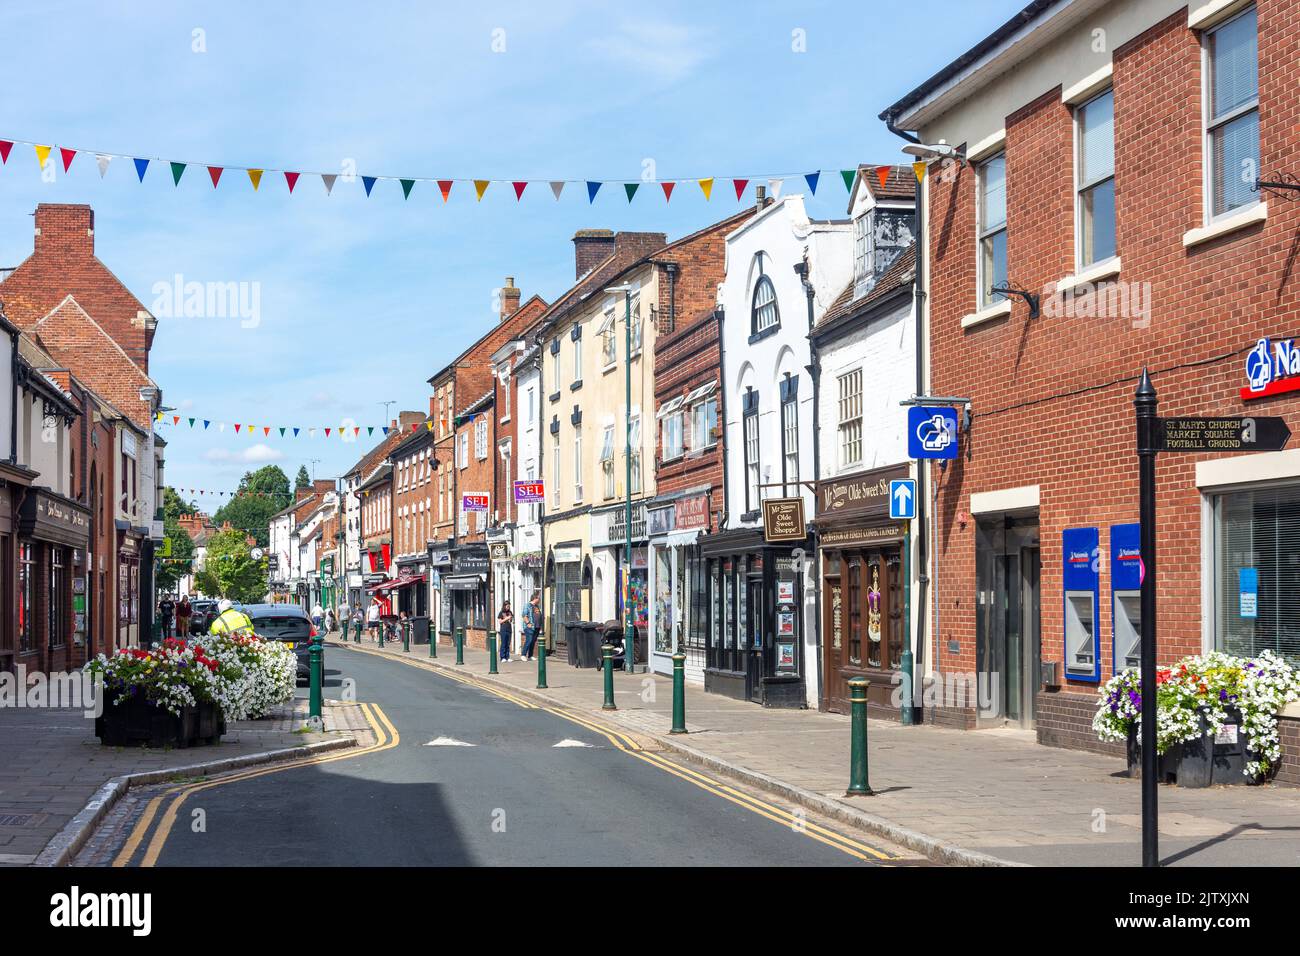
(282, 627)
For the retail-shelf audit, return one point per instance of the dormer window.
(879, 236)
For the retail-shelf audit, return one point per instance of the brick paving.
(51, 763)
(995, 791)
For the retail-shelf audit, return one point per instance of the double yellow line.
(628, 745)
(386, 738)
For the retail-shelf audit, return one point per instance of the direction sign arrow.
(1200, 434)
(903, 494)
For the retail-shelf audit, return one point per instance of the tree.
(303, 480)
(261, 494)
(171, 569)
(230, 570)
(174, 505)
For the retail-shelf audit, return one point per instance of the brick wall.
(1288, 773)
(1052, 397)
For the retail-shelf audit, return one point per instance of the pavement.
(460, 775)
(52, 766)
(973, 797)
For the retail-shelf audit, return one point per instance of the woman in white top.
(372, 618)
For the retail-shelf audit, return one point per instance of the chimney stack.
(591, 247)
(65, 229)
(509, 306)
(760, 193)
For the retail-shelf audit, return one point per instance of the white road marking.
(447, 742)
(570, 742)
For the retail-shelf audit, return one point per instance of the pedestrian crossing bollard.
(460, 645)
(679, 694)
(608, 651)
(541, 664)
(492, 653)
(406, 637)
(858, 785)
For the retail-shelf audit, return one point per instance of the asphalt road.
(512, 797)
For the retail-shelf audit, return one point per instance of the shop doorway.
(864, 623)
(1008, 623)
(753, 638)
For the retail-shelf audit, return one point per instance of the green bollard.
(433, 641)
(679, 693)
(406, 637)
(608, 651)
(382, 627)
(541, 661)
(492, 652)
(315, 667)
(858, 785)
(460, 645)
(356, 637)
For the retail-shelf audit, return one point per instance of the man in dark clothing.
(165, 611)
(532, 625)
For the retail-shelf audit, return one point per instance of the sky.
(353, 302)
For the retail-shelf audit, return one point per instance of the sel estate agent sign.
(531, 491)
(474, 501)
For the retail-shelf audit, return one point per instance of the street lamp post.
(629, 654)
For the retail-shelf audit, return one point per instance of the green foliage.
(229, 569)
(261, 494)
(171, 570)
(303, 480)
(174, 505)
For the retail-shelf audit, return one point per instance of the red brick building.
(1110, 171)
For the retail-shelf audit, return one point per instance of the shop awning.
(397, 583)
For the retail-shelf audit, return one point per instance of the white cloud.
(255, 453)
(667, 51)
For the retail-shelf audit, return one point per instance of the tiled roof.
(900, 273)
(901, 184)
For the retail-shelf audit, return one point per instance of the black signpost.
(1185, 434)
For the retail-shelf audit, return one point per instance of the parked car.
(289, 623)
(202, 614)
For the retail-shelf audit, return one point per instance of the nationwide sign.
(1221, 434)
(531, 491)
(1272, 368)
(474, 501)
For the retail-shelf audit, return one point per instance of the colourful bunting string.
(811, 179)
(444, 186)
(369, 182)
(919, 169)
(178, 170)
(140, 166)
(102, 162)
(480, 187)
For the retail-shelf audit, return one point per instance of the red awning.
(398, 582)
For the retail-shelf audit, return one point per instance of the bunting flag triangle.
(42, 154)
(236, 429)
(176, 419)
(178, 170)
(480, 187)
(444, 186)
(221, 427)
(369, 183)
(882, 175)
(848, 175)
(191, 423)
(328, 180)
(631, 189)
(356, 430)
(295, 433)
(102, 160)
(706, 186)
(206, 423)
(140, 166)
(668, 190)
(249, 428)
(811, 180)
(415, 426)
(919, 169)
(740, 185)
(429, 424)
(592, 189)
(291, 179)
(774, 188)
(519, 190)
(327, 433)
(266, 429)
(214, 172)
(66, 155)
(407, 186)
(6, 145)
(281, 431)
(557, 185)
(370, 430)
(384, 429)
(255, 177)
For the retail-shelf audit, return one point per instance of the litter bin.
(570, 640)
(420, 630)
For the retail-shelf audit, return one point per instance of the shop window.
(992, 221)
(1257, 572)
(1095, 175)
(26, 598)
(1232, 113)
(663, 600)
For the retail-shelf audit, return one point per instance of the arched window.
(764, 313)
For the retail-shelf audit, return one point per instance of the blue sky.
(361, 300)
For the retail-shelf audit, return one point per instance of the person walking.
(505, 629)
(165, 611)
(372, 618)
(183, 611)
(532, 626)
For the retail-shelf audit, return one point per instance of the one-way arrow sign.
(902, 499)
(1222, 434)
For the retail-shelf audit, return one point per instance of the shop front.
(467, 589)
(566, 582)
(439, 593)
(129, 631)
(678, 583)
(864, 589)
(753, 616)
(53, 532)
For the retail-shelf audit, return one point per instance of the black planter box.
(1202, 762)
(136, 722)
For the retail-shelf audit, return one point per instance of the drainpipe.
(815, 372)
(719, 314)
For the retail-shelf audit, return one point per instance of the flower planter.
(136, 722)
(1203, 762)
